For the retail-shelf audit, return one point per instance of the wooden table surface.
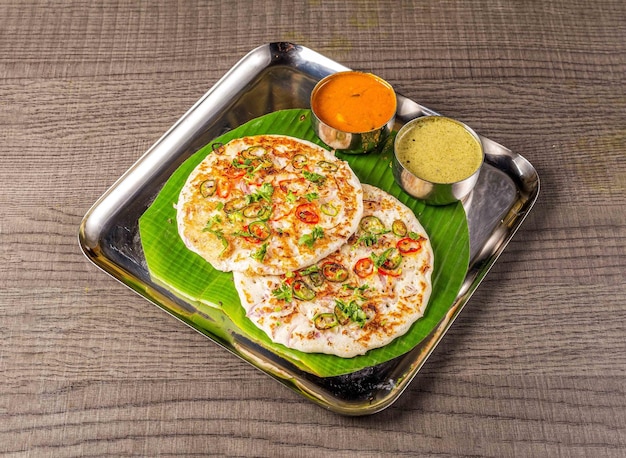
(534, 366)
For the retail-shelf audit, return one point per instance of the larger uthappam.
(360, 297)
(268, 204)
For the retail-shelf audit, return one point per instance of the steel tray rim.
(180, 137)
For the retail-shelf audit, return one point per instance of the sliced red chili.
(409, 245)
(223, 187)
(307, 213)
(364, 267)
(335, 272)
(390, 273)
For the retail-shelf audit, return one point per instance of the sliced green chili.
(302, 291)
(259, 230)
(393, 259)
(342, 317)
(327, 166)
(208, 188)
(257, 210)
(299, 161)
(254, 152)
(218, 148)
(325, 321)
(372, 224)
(316, 278)
(235, 205)
(335, 272)
(329, 209)
(399, 228)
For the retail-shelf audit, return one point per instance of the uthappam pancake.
(360, 297)
(268, 204)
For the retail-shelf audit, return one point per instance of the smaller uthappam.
(268, 204)
(360, 297)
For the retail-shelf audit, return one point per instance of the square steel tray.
(269, 78)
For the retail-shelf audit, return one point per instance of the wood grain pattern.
(534, 366)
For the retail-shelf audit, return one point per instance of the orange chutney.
(354, 102)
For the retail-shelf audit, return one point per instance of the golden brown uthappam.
(360, 297)
(268, 204)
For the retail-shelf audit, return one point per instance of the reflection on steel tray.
(274, 77)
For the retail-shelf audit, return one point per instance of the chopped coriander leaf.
(264, 192)
(314, 177)
(380, 260)
(358, 290)
(291, 197)
(363, 287)
(310, 270)
(259, 254)
(312, 196)
(221, 238)
(368, 239)
(249, 176)
(251, 163)
(353, 311)
(235, 217)
(243, 234)
(242, 164)
(283, 292)
(309, 239)
(216, 219)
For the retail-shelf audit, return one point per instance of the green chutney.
(438, 149)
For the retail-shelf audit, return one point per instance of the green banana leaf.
(192, 278)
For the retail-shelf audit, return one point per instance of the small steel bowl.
(434, 193)
(351, 142)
